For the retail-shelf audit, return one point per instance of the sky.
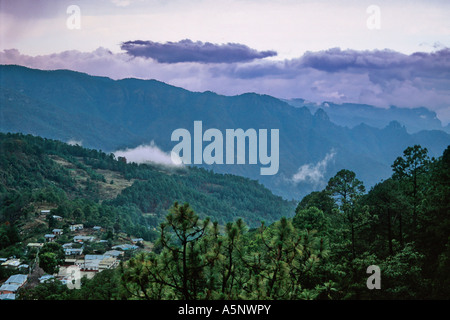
(374, 52)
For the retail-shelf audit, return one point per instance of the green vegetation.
(35, 170)
(401, 225)
(320, 251)
(51, 256)
(38, 173)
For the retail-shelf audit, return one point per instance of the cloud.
(148, 154)
(313, 173)
(189, 51)
(74, 142)
(391, 64)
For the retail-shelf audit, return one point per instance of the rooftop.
(10, 287)
(8, 296)
(125, 247)
(17, 278)
(12, 263)
(113, 253)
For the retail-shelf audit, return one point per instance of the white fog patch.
(313, 173)
(74, 142)
(149, 153)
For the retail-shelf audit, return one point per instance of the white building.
(57, 232)
(12, 285)
(50, 237)
(75, 227)
(73, 251)
(97, 262)
(81, 239)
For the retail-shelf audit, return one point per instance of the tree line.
(401, 225)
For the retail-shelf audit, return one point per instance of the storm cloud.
(393, 64)
(190, 51)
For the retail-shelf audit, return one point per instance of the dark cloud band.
(189, 51)
(335, 59)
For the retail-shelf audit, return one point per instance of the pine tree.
(347, 190)
(411, 170)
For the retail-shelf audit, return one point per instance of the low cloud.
(313, 173)
(74, 142)
(148, 154)
(189, 51)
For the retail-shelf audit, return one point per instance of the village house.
(9, 288)
(45, 212)
(108, 263)
(58, 218)
(97, 263)
(70, 262)
(11, 263)
(137, 240)
(76, 227)
(57, 232)
(114, 253)
(35, 245)
(73, 251)
(12, 285)
(125, 247)
(81, 239)
(19, 279)
(8, 296)
(50, 237)
(24, 268)
(46, 278)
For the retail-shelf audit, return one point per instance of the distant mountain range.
(109, 115)
(352, 114)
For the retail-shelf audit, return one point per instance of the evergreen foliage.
(204, 248)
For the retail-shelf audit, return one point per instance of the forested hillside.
(94, 188)
(401, 225)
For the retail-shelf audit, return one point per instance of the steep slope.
(34, 169)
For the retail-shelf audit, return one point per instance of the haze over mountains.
(353, 114)
(111, 115)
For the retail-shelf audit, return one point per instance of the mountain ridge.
(353, 114)
(111, 114)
